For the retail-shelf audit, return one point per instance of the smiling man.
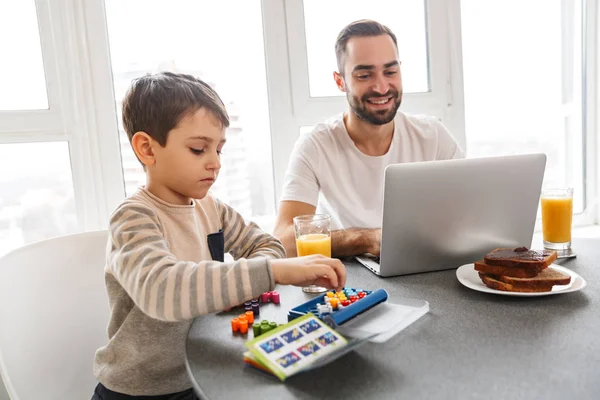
(338, 168)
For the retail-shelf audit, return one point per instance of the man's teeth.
(379, 101)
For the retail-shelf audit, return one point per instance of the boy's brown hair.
(361, 28)
(155, 103)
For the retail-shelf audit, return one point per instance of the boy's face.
(189, 163)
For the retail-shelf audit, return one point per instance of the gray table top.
(470, 345)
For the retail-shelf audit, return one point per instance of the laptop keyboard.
(372, 258)
(370, 261)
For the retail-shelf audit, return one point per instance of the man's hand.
(375, 242)
(310, 270)
(355, 241)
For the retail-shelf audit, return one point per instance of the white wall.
(3, 394)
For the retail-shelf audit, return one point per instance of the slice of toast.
(521, 257)
(493, 283)
(516, 272)
(548, 276)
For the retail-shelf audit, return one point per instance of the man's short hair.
(361, 28)
(156, 103)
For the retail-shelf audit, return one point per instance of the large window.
(523, 78)
(36, 187)
(323, 20)
(36, 193)
(21, 58)
(57, 176)
(505, 77)
(427, 32)
(224, 48)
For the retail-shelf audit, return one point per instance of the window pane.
(325, 19)
(21, 71)
(231, 61)
(523, 86)
(36, 193)
(306, 129)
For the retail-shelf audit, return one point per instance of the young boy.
(167, 241)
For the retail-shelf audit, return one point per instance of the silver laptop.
(443, 214)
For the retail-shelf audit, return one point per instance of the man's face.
(372, 79)
(189, 163)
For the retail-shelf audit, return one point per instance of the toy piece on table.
(252, 306)
(244, 322)
(243, 326)
(335, 308)
(272, 297)
(249, 316)
(248, 309)
(235, 325)
(263, 327)
(266, 326)
(241, 323)
(256, 329)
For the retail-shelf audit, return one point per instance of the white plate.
(467, 275)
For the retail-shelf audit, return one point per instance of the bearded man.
(338, 168)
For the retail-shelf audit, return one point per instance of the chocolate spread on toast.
(520, 253)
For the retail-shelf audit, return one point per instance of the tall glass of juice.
(557, 217)
(313, 236)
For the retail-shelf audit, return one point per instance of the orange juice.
(557, 214)
(314, 243)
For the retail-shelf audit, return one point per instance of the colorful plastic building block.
(243, 322)
(235, 325)
(250, 316)
(256, 329)
(263, 326)
(255, 307)
(240, 323)
(244, 326)
(275, 297)
(272, 297)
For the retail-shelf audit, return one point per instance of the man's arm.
(284, 226)
(344, 242)
(355, 241)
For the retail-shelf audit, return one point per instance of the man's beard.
(379, 117)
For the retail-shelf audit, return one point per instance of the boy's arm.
(246, 240)
(168, 289)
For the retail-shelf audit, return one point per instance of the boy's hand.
(310, 270)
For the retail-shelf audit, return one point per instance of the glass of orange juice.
(557, 217)
(313, 236)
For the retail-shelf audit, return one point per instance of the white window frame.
(292, 107)
(590, 119)
(71, 116)
(82, 108)
(589, 140)
(27, 125)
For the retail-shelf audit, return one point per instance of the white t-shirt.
(328, 171)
